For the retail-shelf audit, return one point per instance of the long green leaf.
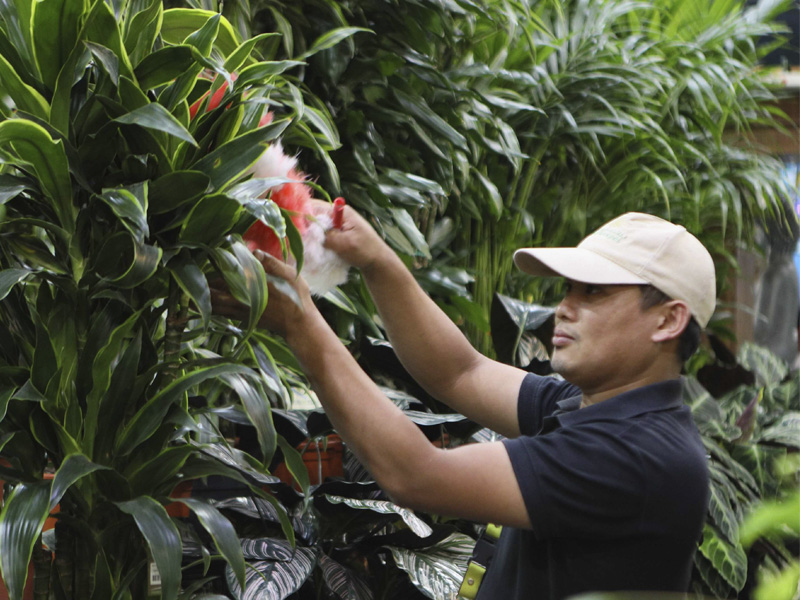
(156, 117)
(230, 162)
(257, 407)
(148, 418)
(210, 219)
(55, 32)
(47, 157)
(130, 205)
(223, 534)
(72, 469)
(24, 96)
(21, 522)
(330, 38)
(193, 282)
(11, 277)
(180, 23)
(101, 27)
(162, 539)
(163, 66)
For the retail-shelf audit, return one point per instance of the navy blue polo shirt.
(616, 493)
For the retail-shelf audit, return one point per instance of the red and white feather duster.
(322, 269)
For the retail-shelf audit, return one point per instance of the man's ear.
(673, 318)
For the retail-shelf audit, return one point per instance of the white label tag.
(155, 577)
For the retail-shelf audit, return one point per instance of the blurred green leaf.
(330, 38)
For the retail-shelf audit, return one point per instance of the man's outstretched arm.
(428, 343)
(475, 481)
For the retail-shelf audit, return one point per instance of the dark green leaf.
(107, 59)
(163, 66)
(141, 32)
(102, 28)
(330, 38)
(24, 96)
(73, 468)
(11, 277)
(125, 263)
(156, 117)
(55, 26)
(229, 162)
(148, 418)
(162, 539)
(194, 282)
(130, 205)
(21, 522)
(257, 407)
(174, 189)
(242, 54)
(295, 463)
(223, 534)
(180, 23)
(34, 145)
(210, 219)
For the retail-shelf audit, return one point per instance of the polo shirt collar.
(663, 395)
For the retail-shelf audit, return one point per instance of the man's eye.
(591, 289)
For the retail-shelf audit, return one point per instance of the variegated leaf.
(729, 560)
(343, 582)
(385, 507)
(267, 549)
(785, 431)
(273, 580)
(437, 571)
(768, 368)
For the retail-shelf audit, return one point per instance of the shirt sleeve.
(537, 399)
(579, 481)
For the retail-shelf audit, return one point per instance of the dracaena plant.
(116, 207)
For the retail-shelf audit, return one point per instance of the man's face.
(603, 338)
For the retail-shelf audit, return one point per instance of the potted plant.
(116, 205)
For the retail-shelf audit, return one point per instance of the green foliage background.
(464, 129)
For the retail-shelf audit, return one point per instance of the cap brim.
(576, 264)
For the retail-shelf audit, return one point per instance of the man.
(602, 484)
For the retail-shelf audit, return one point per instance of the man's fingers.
(273, 266)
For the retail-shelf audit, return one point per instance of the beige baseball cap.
(636, 249)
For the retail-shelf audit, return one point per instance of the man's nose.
(565, 309)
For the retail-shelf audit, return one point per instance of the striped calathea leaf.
(417, 525)
(275, 569)
(437, 571)
(342, 581)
